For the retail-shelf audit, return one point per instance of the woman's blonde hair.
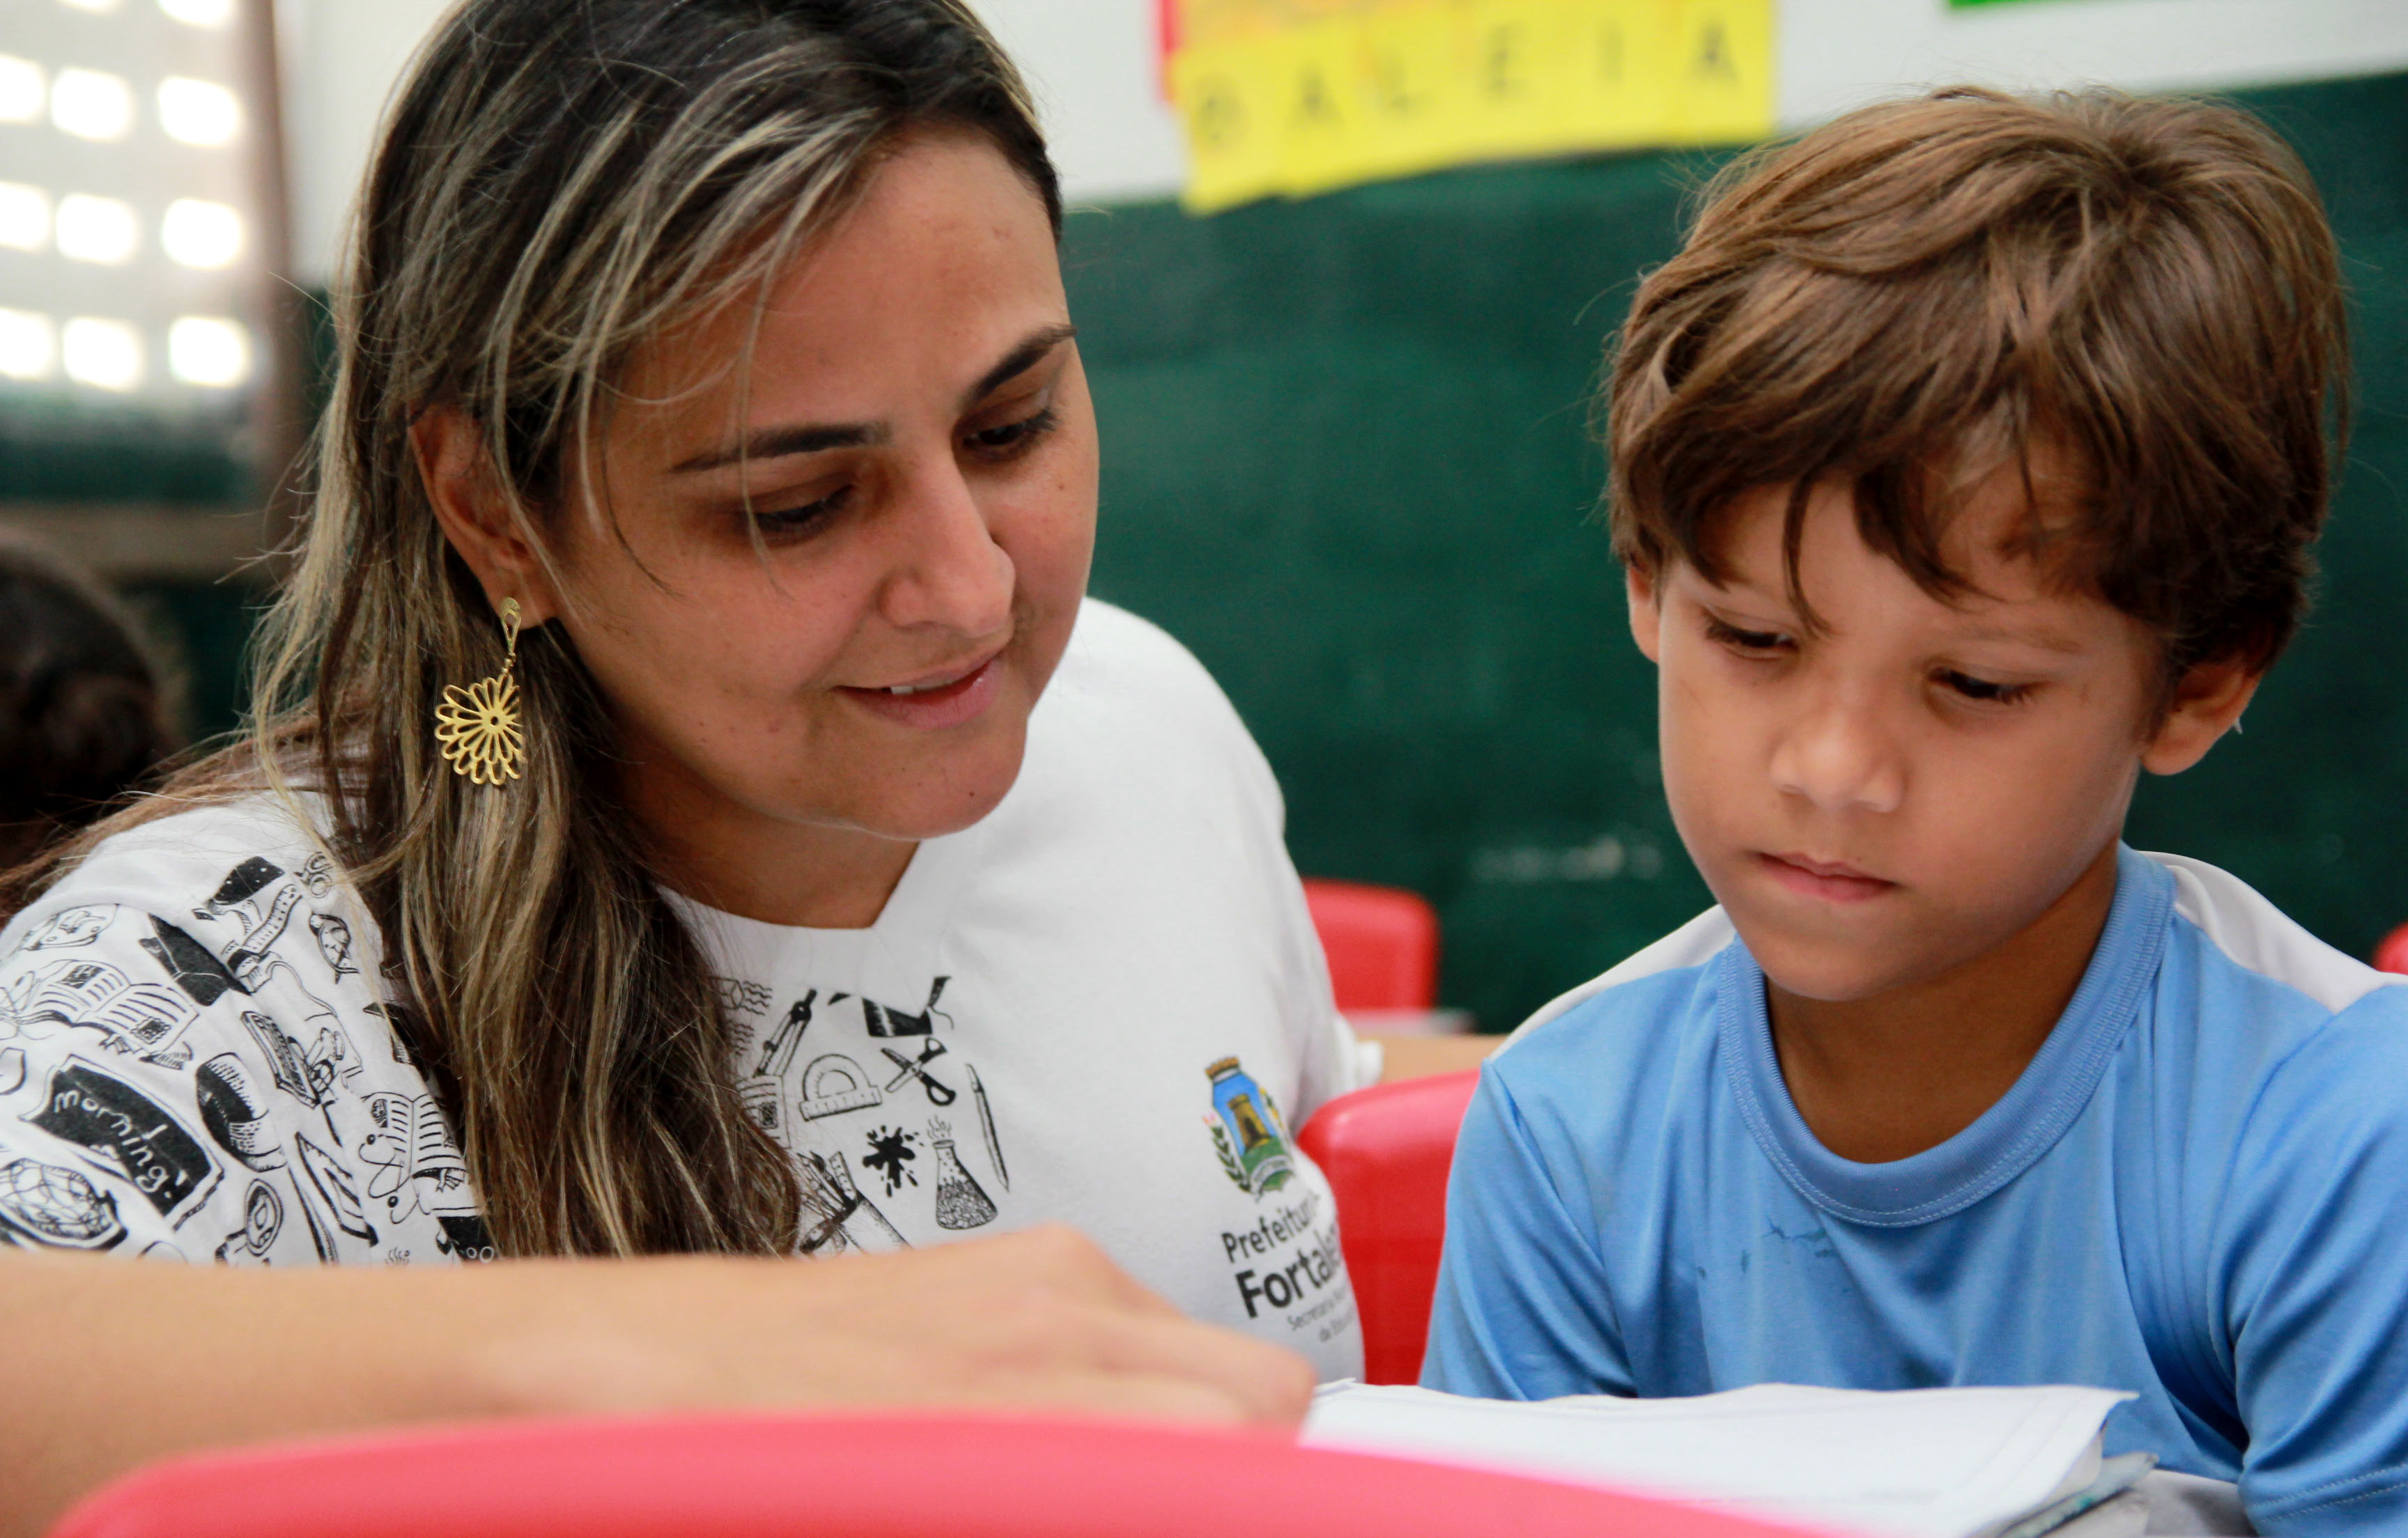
(559, 183)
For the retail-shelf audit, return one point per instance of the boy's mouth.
(1832, 880)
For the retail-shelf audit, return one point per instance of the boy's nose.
(1838, 756)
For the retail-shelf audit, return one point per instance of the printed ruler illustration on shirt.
(1301, 96)
(279, 1100)
(875, 1105)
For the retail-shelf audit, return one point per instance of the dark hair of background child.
(87, 706)
(2143, 292)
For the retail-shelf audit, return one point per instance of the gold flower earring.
(479, 725)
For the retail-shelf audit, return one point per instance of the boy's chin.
(1831, 971)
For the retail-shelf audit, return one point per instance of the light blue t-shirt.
(2198, 1191)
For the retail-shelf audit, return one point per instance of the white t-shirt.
(1102, 1006)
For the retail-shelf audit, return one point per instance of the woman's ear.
(2207, 703)
(475, 516)
(1646, 611)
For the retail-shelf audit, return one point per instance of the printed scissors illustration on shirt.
(940, 1092)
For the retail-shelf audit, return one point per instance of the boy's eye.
(1744, 640)
(803, 519)
(1982, 689)
(1012, 437)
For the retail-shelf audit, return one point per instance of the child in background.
(1965, 464)
(85, 708)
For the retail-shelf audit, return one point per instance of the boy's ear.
(476, 516)
(2207, 703)
(1646, 612)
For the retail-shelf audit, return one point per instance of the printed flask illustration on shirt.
(960, 1202)
(1248, 1131)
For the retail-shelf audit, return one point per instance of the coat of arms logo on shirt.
(1248, 1131)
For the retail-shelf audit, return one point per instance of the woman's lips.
(934, 707)
(1830, 880)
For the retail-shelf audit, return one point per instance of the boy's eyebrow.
(785, 442)
(2046, 640)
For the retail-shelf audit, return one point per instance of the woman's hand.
(1039, 1318)
(112, 1364)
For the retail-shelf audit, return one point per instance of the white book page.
(1913, 1463)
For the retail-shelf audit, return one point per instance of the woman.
(654, 840)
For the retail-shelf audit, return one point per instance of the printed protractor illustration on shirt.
(837, 1218)
(1248, 1133)
(961, 1203)
(56, 1207)
(127, 1134)
(833, 1084)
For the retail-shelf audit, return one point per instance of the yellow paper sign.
(1299, 96)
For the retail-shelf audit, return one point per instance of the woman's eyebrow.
(813, 438)
(1019, 361)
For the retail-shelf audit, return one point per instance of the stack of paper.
(1917, 1464)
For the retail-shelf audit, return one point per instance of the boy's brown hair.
(1925, 290)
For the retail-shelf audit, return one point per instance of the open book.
(1914, 1463)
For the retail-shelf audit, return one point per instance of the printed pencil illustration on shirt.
(837, 1218)
(1248, 1132)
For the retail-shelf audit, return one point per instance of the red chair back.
(1386, 1151)
(1381, 942)
(2392, 954)
(877, 1476)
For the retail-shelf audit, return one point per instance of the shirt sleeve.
(1522, 1310)
(174, 1097)
(2313, 1276)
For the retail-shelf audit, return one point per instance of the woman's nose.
(1842, 756)
(949, 570)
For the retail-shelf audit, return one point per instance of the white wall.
(1092, 64)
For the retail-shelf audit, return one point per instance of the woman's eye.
(1014, 436)
(803, 518)
(1744, 640)
(1982, 689)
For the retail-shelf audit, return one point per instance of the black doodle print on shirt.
(51, 1206)
(738, 996)
(940, 1092)
(262, 1219)
(203, 977)
(837, 1218)
(130, 1135)
(961, 1203)
(887, 1021)
(236, 1117)
(131, 1018)
(890, 1154)
(334, 944)
(71, 928)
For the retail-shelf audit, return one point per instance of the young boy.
(1964, 466)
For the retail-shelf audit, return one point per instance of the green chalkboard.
(1346, 461)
